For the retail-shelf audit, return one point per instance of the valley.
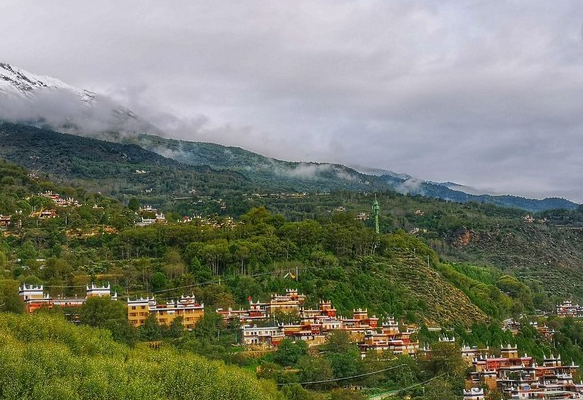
(174, 264)
(457, 268)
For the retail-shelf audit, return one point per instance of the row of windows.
(179, 311)
(141, 314)
(161, 320)
(255, 333)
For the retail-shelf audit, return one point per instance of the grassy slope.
(548, 256)
(44, 357)
(442, 302)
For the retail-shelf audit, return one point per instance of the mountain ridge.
(125, 169)
(304, 175)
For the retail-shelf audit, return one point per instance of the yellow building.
(186, 307)
(291, 301)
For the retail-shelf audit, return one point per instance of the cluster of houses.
(568, 309)
(51, 212)
(513, 375)
(257, 326)
(514, 327)
(313, 325)
(529, 219)
(43, 213)
(283, 195)
(150, 215)
(519, 377)
(68, 202)
(223, 222)
(35, 297)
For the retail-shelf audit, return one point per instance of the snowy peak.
(19, 81)
(49, 102)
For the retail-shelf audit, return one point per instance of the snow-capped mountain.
(49, 102)
(16, 81)
(42, 101)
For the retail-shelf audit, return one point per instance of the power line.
(346, 377)
(215, 281)
(392, 392)
(179, 287)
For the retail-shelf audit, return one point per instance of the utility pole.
(376, 210)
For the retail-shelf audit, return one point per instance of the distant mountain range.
(303, 176)
(46, 102)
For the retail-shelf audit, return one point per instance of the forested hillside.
(544, 250)
(337, 258)
(434, 263)
(116, 169)
(281, 175)
(163, 169)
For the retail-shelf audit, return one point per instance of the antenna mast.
(376, 209)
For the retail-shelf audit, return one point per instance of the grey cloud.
(304, 170)
(64, 110)
(312, 171)
(411, 186)
(483, 93)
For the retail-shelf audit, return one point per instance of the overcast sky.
(484, 93)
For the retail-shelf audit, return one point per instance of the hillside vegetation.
(543, 250)
(49, 358)
(159, 168)
(464, 267)
(337, 257)
(112, 168)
